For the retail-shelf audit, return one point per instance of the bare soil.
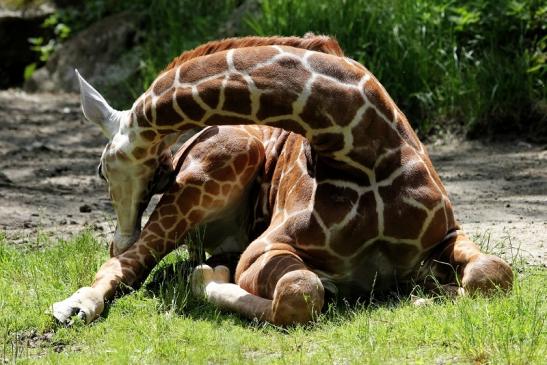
(49, 186)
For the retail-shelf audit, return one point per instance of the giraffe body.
(308, 170)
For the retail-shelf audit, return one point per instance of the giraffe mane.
(310, 41)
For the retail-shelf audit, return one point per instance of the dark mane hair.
(319, 43)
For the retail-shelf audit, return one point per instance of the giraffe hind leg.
(274, 271)
(298, 296)
(475, 271)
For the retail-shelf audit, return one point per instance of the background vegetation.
(477, 66)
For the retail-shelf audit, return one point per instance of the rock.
(16, 28)
(421, 302)
(85, 208)
(4, 180)
(101, 53)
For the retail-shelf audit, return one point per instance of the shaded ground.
(48, 182)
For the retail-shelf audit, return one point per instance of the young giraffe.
(340, 196)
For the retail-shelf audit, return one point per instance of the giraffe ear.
(97, 110)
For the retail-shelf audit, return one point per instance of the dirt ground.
(48, 181)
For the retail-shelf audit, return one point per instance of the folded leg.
(475, 270)
(273, 284)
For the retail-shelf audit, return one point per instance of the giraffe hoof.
(420, 302)
(221, 274)
(203, 275)
(86, 303)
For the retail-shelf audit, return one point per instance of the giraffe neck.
(333, 101)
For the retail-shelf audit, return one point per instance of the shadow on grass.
(169, 283)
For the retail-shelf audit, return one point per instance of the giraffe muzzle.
(121, 242)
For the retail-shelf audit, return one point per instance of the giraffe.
(302, 165)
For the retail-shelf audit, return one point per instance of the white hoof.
(86, 303)
(420, 302)
(222, 274)
(203, 275)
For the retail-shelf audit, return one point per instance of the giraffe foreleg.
(209, 181)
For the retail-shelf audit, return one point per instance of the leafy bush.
(478, 64)
(170, 27)
(472, 65)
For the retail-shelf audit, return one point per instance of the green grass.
(160, 323)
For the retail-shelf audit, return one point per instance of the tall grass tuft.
(476, 64)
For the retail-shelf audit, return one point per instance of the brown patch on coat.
(328, 142)
(379, 97)
(312, 236)
(209, 91)
(195, 70)
(333, 203)
(212, 187)
(238, 99)
(163, 82)
(217, 119)
(372, 137)
(188, 198)
(331, 103)
(247, 58)
(165, 111)
(326, 65)
(288, 125)
(436, 231)
(168, 222)
(149, 135)
(186, 103)
(361, 228)
(281, 87)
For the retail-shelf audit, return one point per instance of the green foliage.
(472, 65)
(45, 47)
(180, 25)
(169, 27)
(477, 63)
(29, 70)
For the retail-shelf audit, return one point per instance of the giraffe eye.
(100, 171)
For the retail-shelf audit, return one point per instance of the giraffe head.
(133, 169)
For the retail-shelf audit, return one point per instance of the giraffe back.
(321, 43)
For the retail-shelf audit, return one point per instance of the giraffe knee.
(298, 297)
